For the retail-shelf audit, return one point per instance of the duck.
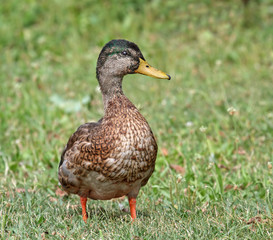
(115, 156)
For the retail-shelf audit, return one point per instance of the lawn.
(213, 121)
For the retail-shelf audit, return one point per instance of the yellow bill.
(147, 69)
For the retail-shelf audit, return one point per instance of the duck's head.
(118, 58)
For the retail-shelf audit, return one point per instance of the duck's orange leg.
(83, 203)
(132, 203)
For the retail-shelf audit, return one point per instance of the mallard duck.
(115, 156)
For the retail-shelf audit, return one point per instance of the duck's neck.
(111, 86)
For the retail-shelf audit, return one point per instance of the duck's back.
(112, 157)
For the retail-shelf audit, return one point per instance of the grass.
(219, 54)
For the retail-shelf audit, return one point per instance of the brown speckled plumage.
(116, 155)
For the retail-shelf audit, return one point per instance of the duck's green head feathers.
(118, 58)
(120, 46)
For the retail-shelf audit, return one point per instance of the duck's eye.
(124, 53)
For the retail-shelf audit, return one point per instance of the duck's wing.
(80, 135)
(80, 155)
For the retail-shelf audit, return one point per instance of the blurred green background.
(214, 119)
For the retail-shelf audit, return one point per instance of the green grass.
(219, 54)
